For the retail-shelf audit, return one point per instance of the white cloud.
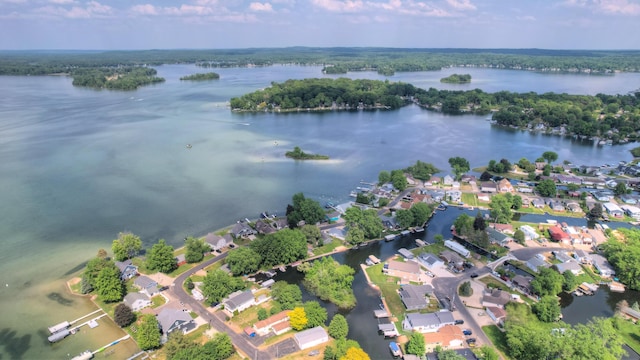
(461, 4)
(284, 2)
(146, 9)
(256, 6)
(622, 7)
(92, 9)
(526, 18)
(62, 2)
(339, 5)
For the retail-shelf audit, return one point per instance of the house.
(525, 190)
(601, 196)
(535, 262)
(556, 205)
(602, 265)
(613, 209)
(430, 261)
(526, 202)
(334, 216)
(631, 210)
(127, 269)
(496, 314)
(415, 297)
(429, 322)
(497, 237)
(537, 203)
(239, 301)
(448, 337)
(457, 247)
(569, 179)
(242, 230)
(504, 186)
(407, 271)
(628, 199)
(171, 319)
(634, 315)
(406, 254)
(573, 206)
(572, 266)
(495, 298)
(217, 242)
(263, 227)
(529, 232)
(451, 258)
(484, 197)
(582, 256)
(311, 337)
(557, 234)
(278, 324)
(137, 301)
(562, 256)
(454, 195)
(523, 283)
(146, 285)
(488, 187)
(447, 180)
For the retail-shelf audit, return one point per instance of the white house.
(602, 265)
(631, 210)
(613, 209)
(137, 301)
(239, 301)
(529, 232)
(428, 322)
(311, 337)
(457, 247)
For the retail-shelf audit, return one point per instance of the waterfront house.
(137, 301)
(573, 206)
(628, 312)
(415, 297)
(217, 242)
(484, 197)
(582, 256)
(602, 265)
(557, 234)
(311, 337)
(171, 319)
(457, 247)
(504, 186)
(407, 271)
(556, 205)
(448, 337)
(454, 196)
(496, 314)
(452, 259)
(613, 209)
(495, 297)
(628, 199)
(631, 210)
(496, 237)
(278, 324)
(146, 285)
(572, 266)
(429, 322)
(406, 254)
(181, 259)
(562, 256)
(127, 269)
(537, 203)
(535, 262)
(523, 283)
(503, 228)
(529, 232)
(238, 301)
(263, 227)
(430, 261)
(488, 187)
(333, 216)
(242, 230)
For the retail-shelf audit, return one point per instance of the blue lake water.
(77, 166)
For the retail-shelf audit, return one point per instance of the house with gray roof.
(406, 254)
(429, 322)
(582, 256)
(602, 265)
(495, 297)
(415, 297)
(146, 285)
(217, 242)
(127, 269)
(535, 262)
(171, 319)
(497, 237)
(311, 337)
(572, 266)
(239, 301)
(562, 256)
(429, 260)
(242, 230)
(137, 301)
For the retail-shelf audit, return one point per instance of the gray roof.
(430, 319)
(168, 317)
(406, 253)
(414, 296)
(568, 266)
(496, 296)
(131, 298)
(429, 259)
(310, 335)
(562, 256)
(144, 282)
(239, 298)
(535, 262)
(122, 265)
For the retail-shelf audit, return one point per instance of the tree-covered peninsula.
(456, 79)
(298, 154)
(118, 78)
(202, 76)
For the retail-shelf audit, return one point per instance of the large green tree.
(329, 280)
(547, 282)
(384, 177)
(501, 209)
(422, 171)
(195, 249)
(304, 209)
(161, 257)
(404, 218)
(283, 247)
(109, 285)
(367, 220)
(126, 246)
(313, 234)
(338, 327)
(355, 235)
(123, 315)
(243, 260)
(625, 256)
(421, 213)
(148, 333)
(287, 295)
(459, 165)
(90, 275)
(316, 314)
(416, 345)
(546, 188)
(547, 309)
(399, 180)
(550, 156)
(217, 285)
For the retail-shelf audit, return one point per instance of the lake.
(77, 166)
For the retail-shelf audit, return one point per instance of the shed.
(406, 253)
(311, 337)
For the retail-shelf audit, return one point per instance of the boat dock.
(64, 332)
(65, 324)
(86, 355)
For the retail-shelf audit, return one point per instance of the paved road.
(239, 340)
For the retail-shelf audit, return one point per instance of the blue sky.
(164, 24)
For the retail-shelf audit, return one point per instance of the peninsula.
(456, 79)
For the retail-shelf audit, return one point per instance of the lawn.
(470, 199)
(186, 267)
(158, 301)
(433, 248)
(490, 281)
(388, 286)
(247, 317)
(498, 338)
(328, 248)
(630, 332)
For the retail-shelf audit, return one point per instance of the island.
(115, 78)
(456, 79)
(201, 76)
(635, 152)
(298, 154)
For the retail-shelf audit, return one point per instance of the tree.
(500, 209)
(195, 249)
(546, 188)
(421, 213)
(416, 345)
(570, 281)
(126, 246)
(478, 222)
(312, 233)
(459, 166)
(123, 315)
(338, 327)
(188, 283)
(109, 285)
(384, 177)
(596, 211)
(485, 176)
(547, 282)
(219, 347)
(161, 258)
(176, 341)
(439, 239)
(404, 218)
(488, 353)
(148, 334)
(282, 247)
(355, 235)
(354, 353)
(217, 285)
(573, 187)
(547, 309)
(465, 289)
(519, 236)
(625, 256)
(421, 171)
(90, 275)
(287, 295)
(398, 180)
(303, 209)
(298, 318)
(550, 156)
(316, 314)
(329, 280)
(243, 260)
(516, 202)
(620, 189)
(449, 355)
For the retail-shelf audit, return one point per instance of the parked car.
(467, 332)
(430, 274)
(459, 322)
(474, 275)
(471, 341)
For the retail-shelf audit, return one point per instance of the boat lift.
(64, 332)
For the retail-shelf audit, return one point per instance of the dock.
(87, 354)
(65, 324)
(389, 237)
(63, 333)
(374, 259)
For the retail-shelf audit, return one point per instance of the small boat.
(189, 146)
(283, 268)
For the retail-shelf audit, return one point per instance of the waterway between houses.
(362, 323)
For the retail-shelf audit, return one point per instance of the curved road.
(238, 340)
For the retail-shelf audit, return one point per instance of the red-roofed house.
(557, 234)
(448, 337)
(278, 323)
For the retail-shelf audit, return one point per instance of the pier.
(86, 355)
(65, 324)
(66, 331)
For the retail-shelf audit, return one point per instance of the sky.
(220, 24)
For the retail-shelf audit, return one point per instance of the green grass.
(530, 210)
(158, 301)
(433, 248)
(186, 267)
(498, 338)
(247, 317)
(629, 331)
(388, 286)
(488, 280)
(470, 199)
(77, 288)
(328, 248)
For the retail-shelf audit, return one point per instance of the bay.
(77, 166)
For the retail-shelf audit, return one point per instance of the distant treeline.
(336, 60)
(614, 117)
(201, 76)
(121, 78)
